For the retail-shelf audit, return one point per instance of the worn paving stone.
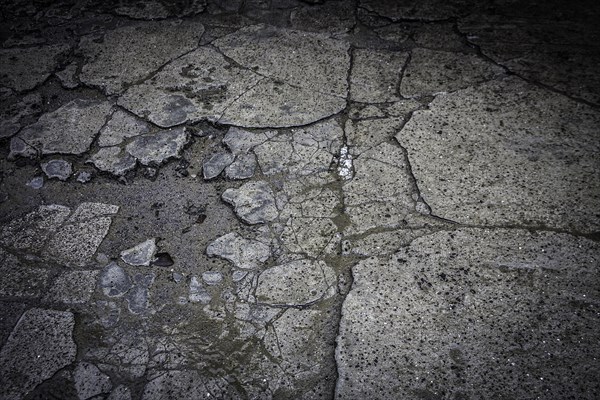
(113, 160)
(243, 253)
(21, 280)
(375, 75)
(73, 287)
(431, 72)
(154, 149)
(141, 254)
(253, 202)
(129, 54)
(297, 283)
(120, 127)
(23, 69)
(60, 169)
(32, 355)
(473, 313)
(79, 120)
(524, 157)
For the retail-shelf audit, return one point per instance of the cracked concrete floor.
(300, 199)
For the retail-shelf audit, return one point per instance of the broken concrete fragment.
(243, 253)
(216, 164)
(511, 160)
(129, 54)
(154, 149)
(69, 130)
(40, 345)
(24, 68)
(114, 281)
(297, 283)
(242, 168)
(457, 302)
(121, 392)
(198, 293)
(431, 72)
(141, 254)
(121, 126)
(60, 169)
(253, 202)
(212, 278)
(90, 381)
(67, 76)
(375, 75)
(19, 147)
(113, 160)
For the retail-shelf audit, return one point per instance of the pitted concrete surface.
(295, 199)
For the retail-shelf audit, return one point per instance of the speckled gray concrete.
(299, 199)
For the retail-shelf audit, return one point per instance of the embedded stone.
(113, 160)
(154, 149)
(216, 164)
(114, 281)
(243, 253)
(242, 168)
(253, 202)
(141, 254)
(60, 169)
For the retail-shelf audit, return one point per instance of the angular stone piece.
(198, 294)
(70, 130)
(40, 345)
(431, 72)
(90, 381)
(120, 127)
(375, 75)
(114, 281)
(154, 149)
(24, 68)
(484, 159)
(242, 141)
(253, 202)
(113, 160)
(131, 53)
(67, 76)
(456, 308)
(297, 283)
(60, 169)
(212, 278)
(141, 254)
(243, 253)
(242, 168)
(216, 164)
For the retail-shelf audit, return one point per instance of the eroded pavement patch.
(300, 199)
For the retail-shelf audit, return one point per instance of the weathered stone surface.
(375, 75)
(187, 385)
(563, 56)
(114, 281)
(73, 287)
(20, 280)
(296, 283)
(141, 254)
(241, 141)
(24, 68)
(113, 160)
(157, 9)
(120, 127)
(473, 313)
(71, 129)
(37, 182)
(481, 158)
(315, 61)
(333, 17)
(243, 253)
(67, 76)
(242, 168)
(198, 293)
(12, 113)
(216, 164)
(121, 392)
(90, 381)
(154, 149)
(253, 202)
(425, 10)
(205, 85)
(129, 54)
(60, 169)
(32, 355)
(431, 72)
(212, 278)
(138, 297)
(125, 355)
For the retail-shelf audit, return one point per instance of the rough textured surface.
(544, 164)
(32, 355)
(378, 199)
(471, 313)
